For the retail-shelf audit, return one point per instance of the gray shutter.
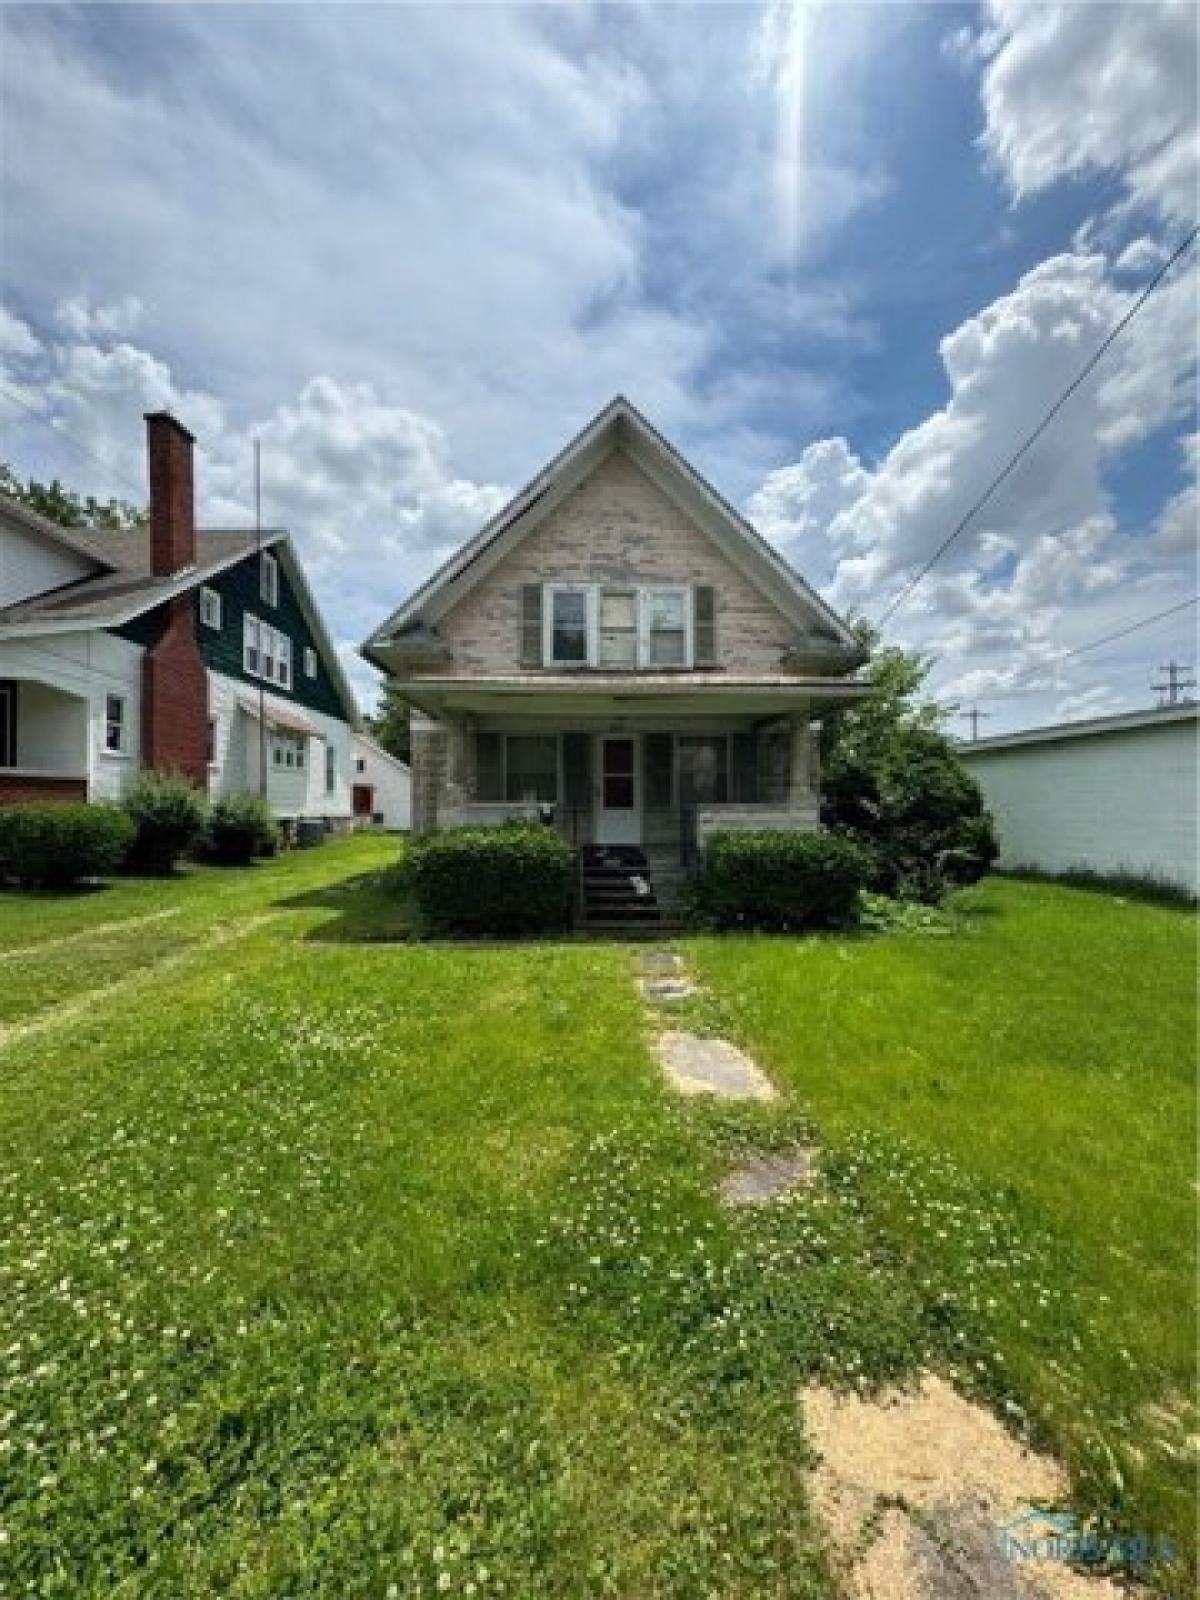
(577, 770)
(705, 640)
(531, 625)
(489, 767)
(657, 754)
(744, 776)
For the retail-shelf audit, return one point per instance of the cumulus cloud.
(1046, 559)
(17, 338)
(1177, 530)
(1070, 90)
(365, 484)
(86, 321)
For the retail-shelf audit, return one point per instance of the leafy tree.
(64, 506)
(893, 780)
(389, 726)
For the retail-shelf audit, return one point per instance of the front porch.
(43, 743)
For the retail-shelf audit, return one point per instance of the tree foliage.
(894, 781)
(389, 726)
(62, 505)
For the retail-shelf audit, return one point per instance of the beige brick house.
(619, 653)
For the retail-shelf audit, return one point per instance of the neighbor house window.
(266, 650)
(283, 660)
(250, 645)
(618, 623)
(287, 750)
(567, 628)
(210, 607)
(330, 768)
(310, 661)
(268, 580)
(211, 752)
(665, 618)
(360, 764)
(114, 723)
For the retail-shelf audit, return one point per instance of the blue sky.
(843, 255)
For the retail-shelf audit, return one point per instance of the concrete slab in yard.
(762, 1179)
(659, 963)
(695, 1065)
(667, 988)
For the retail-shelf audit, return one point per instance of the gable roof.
(619, 425)
(123, 586)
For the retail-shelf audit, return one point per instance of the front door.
(618, 815)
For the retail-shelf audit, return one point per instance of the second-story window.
(567, 628)
(618, 633)
(268, 579)
(665, 617)
(210, 607)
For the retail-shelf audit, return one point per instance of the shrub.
(168, 816)
(918, 810)
(781, 880)
(54, 846)
(239, 828)
(512, 879)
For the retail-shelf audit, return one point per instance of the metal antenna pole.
(262, 691)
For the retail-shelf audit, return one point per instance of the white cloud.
(17, 338)
(1140, 257)
(1045, 564)
(1177, 531)
(86, 321)
(1071, 90)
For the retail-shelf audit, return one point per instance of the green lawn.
(333, 1266)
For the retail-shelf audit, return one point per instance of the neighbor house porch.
(44, 739)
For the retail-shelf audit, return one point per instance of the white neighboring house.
(167, 647)
(1110, 795)
(382, 790)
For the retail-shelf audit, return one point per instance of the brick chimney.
(172, 524)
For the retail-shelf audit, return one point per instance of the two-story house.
(621, 653)
(167, 647)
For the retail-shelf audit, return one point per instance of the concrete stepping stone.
(667, 988)
(694, 1065)
(659, 963)
(762, 1179)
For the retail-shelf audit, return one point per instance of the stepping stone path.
(762, 1179)
(692, 1063)
(695, 1065)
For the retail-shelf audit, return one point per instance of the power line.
(63, 433)
(1081, 649)
(1023, 450)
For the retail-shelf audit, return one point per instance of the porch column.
(428, 760)
(802, 785)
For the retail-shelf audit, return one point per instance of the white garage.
(1112, 795)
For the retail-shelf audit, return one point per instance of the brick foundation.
(18, 789)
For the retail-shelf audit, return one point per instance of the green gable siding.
(221, 649)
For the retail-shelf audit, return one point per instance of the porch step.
(611, 900)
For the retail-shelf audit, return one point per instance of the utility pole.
(262, 691)
(974, 716)
(1173, 692)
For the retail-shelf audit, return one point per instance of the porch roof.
(608, 694)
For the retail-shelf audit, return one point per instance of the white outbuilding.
(382, 786)
(1111, 795)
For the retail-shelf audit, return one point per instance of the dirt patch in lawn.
(915, 1491)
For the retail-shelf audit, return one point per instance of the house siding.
(221, 648)
(1118, 801)
(32, 566)
(290, 793)
(615, 526)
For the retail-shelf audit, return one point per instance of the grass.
(338, 1266)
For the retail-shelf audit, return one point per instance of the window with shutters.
(665, 627)
(567, 627)
(516, 768)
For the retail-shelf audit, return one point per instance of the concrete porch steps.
(619, 892)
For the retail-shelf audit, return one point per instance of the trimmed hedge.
(778, 881)
(55, 846)
(512, 879)
(168, 815)
(239, 828)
